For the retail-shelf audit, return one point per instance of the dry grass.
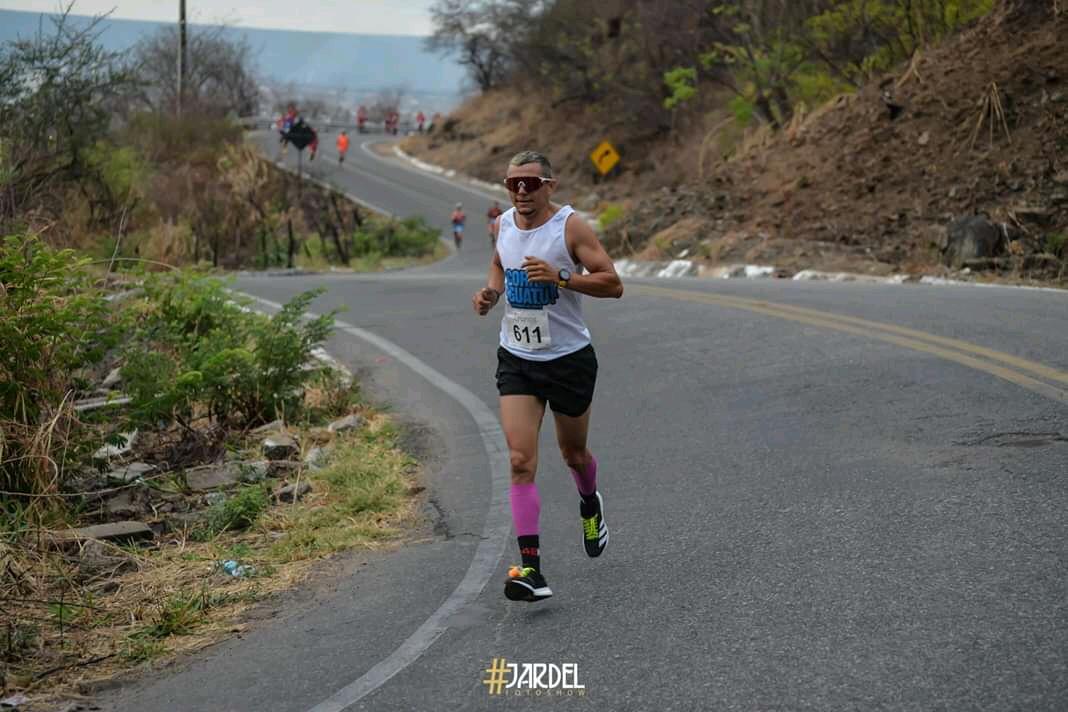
(73, 617)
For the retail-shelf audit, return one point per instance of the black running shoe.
(526, 584)
(594, 528)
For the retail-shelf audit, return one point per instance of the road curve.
(822, 496)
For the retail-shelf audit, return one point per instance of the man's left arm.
(600, 279)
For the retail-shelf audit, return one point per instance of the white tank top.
(541, 322)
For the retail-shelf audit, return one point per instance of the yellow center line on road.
(962, 352)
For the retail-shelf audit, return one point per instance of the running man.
(342, 147)
(491, 221)
(546, 257)
(458, 219)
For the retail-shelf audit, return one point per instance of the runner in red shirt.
(458, 218)
(491, 222)
(420, 119)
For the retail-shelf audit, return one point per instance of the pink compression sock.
(586, 481)
(526, 506)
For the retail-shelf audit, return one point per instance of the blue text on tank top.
(523, 294)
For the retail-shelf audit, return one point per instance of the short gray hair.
(524, 157)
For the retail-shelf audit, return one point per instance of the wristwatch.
(565, 277)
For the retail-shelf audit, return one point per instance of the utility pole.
(183, 54)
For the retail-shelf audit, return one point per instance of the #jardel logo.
(533, 679)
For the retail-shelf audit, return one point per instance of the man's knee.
(523, 465)
(576, 458)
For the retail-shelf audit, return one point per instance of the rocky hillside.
(870, 182)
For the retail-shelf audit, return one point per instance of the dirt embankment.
(981, 126)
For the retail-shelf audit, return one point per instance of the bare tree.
(474, 32)
(58, 90)
(385, 102)
(219, 79)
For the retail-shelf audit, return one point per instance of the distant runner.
(361, 119)
(420, 119)
(491, 221)
(285, 123)
(458, 219)
(342, 147)
(545, 354)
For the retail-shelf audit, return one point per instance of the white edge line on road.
(490, 546)
(458, 183)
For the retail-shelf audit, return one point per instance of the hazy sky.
(378, 17)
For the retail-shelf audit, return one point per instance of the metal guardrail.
(377, 127)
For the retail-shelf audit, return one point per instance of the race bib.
(528, 329)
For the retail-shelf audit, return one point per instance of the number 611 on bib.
(528, 329)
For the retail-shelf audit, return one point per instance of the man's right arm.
(495, 279)
(487, 297)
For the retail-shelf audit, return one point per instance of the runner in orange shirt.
(342, 147)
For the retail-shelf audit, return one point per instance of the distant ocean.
(320, 60)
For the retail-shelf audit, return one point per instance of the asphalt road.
(821, 497)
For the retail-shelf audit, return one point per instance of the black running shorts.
(566, 383)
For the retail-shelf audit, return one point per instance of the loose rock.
(1034, 214)
(113, 452)
(272, 427)
(122, 505)
(131, 473)
(280, 447)
(14, 701)
(316, 458)
(320, 436)
(282, 468)
(113, 379)
(225, 475)
(95, 557)
(970, 238)
(254, 471)
(116, 531)
(349, 422)
(292, 491)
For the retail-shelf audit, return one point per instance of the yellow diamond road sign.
(605, 157)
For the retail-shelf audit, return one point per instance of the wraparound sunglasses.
(530, 184)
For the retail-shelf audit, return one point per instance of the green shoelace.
(590, 526)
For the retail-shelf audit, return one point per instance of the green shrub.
(189, 306)
(178, 615)
(238, 512)
(611, 214)
(1056, 242)
(410, 237)
(199, 352)
(682, 86)
(53, 322)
